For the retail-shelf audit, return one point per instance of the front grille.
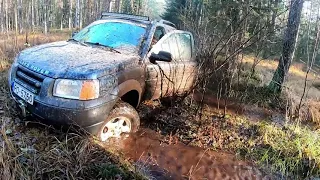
(29, 79)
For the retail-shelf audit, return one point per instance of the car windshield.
(115, 35)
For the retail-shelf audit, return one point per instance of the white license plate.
(23, 93)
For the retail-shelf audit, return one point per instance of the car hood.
(71, 60)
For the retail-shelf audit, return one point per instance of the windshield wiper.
(79, 42)
(102, 45)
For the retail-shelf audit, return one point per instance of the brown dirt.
(179, 161)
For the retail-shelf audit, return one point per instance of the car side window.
(158, 34)
(178, 44)
(184, 46)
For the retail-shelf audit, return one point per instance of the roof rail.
(167, 23)
(105, 15)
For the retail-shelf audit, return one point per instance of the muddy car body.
(98, 77)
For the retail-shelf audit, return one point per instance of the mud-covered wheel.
(122, 119)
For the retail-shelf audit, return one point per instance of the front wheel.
(122, 119)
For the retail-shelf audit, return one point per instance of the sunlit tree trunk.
(46, 17)
(16, 16)
(289, 44)
(32, 15)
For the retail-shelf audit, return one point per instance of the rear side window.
(159, 33)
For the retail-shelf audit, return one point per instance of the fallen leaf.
(8, 131)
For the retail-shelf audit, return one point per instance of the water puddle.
(179, 161)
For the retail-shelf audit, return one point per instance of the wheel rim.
(115, 127)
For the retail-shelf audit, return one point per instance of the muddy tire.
(122, 119)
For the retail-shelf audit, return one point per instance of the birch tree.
(2, 15)
(70, 14)
(78, 14)
(45, 16)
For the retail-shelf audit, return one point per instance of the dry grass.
(39, 153)
(295, 81)
(294, 86)
(10, 45)
(312, 111)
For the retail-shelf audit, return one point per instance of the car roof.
(138, 23)
(125, 17)
(137, 18)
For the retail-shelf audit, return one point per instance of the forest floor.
(177, 140)
(254, 139)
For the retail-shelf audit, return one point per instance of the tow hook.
(22, 106)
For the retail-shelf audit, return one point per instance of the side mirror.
(74, 33)
(161, 56)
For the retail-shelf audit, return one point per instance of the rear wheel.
(122, 119)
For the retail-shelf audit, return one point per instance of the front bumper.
(89, 119)
(54, 110)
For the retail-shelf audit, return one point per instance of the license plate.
(23, 93)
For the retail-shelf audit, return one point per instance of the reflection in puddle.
(178, 161)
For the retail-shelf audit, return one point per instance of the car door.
(167, 78)
(185, 64)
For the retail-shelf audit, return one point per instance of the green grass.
(292, 150)
(289, 150)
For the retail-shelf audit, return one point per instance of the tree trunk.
(1, 16)
(16, 17)
(70, 15)
(36, 13)
(27, 16)
(274, 15)
(20, 16)
(32, 15)
(78, 14)
(46, 17)
(81, 14)
(7, 18)
(109, 7)
(117, 6)
(289, 44)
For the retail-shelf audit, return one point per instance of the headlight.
(76, 89)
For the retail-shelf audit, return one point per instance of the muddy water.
(178, 161)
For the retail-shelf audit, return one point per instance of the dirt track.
(179, 161)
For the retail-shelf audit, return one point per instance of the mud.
(165, 157)
(160, 160)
